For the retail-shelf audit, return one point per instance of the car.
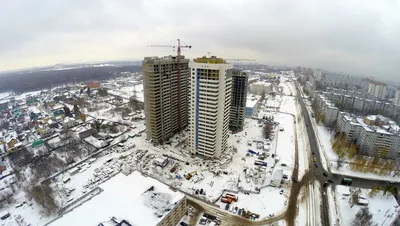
(183, 224)
(326, 175)
(315, 159)
(330, 181)
(235, 210)
(392, 182)
(323, 194)
(313, 153)
(281, 192)
(325, 184)
(227, 206)
(316, 165)
(203, 221)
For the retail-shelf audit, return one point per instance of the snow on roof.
(95, 142)
(34, 109)
(251, 100)
(58, 106)
(125, 197)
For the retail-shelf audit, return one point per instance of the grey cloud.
(351, 36)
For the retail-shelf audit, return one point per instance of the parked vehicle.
(232, 196)
(4, 215)
(347, 181)
(227, 206)
(226, 200)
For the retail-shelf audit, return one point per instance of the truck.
(226, 200)
(252, 152)
(232, 196)
(260, 163)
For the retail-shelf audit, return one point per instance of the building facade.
(377, 89)
(252, 105)
(238, 100)
(210, 102)
(259, 88)
(327, 109)
(397, 97)
(165, 96)
(375, 135)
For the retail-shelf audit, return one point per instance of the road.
(317, 172)
(335, 178)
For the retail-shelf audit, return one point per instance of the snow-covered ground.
(334, 217)
(302, 214)
(384, 208)
(269, 201)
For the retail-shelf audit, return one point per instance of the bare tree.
(44, 197)
(267, 129)
(339, 163)
(363, 218)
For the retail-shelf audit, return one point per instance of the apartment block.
(354, 100)
(238, 100)
(310, 88)
(377, 89)
(318, 74)
(375, 135)
(328, 109)
(260, 87)
(397, 97)
(165, 96)
(210, 104)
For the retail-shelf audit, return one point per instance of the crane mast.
(178, 67)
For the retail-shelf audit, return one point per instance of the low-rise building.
(260, 87)
(136, 199)
(252, 105)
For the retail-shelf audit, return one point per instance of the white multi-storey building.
(318, 74)
(397, 97)
(210, 101)
(328, 109)
(375, 135)
(377, 89)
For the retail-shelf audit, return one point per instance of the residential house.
(85, 132)
(45, 132)
(69, 122)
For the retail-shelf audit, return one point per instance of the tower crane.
(178, 51)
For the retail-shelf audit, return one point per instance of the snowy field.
(384, 208)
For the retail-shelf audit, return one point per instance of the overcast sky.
(357, 36)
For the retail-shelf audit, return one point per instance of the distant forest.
(26, 81)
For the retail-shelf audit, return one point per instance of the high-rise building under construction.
(210, 102)
(165, 86)
(238, 103)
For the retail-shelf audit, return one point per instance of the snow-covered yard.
(384, 208)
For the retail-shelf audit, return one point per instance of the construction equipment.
(190, 175)
(178, 47)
